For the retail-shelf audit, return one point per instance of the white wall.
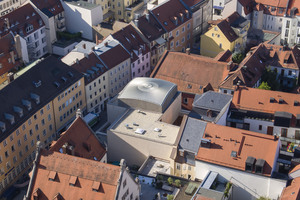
(79, 19)
(132, 187)
(246, 185)
(62, 51)
(224, 112)
(23, 47)
(254, 125)
(42, 46)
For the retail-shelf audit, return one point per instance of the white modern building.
(81, 16)
(141, 118)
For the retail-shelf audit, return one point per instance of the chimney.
(147, 16)
(77, 61)
(106, 44)
(78, 113)
(123, 164)
(6, 20)
(10, 77)
(188, 51)
(238, 85)
(136, 22)
(64, 148)
(83, 45)
(230, 65)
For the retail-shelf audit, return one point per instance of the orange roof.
(82, 138)
(254, 99)
(296, 168)
(224, 140)
(291, 192)
(56, 174)
(191, 73)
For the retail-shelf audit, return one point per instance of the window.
(25, 137)
(177, 166)
(36, 127)
(42, 111)
(177, 33)
(43, 122)
(297, 134)
(170, 34)
(50, 127)
(220, 45)
(172, 44)
(182, 40)
(177, 43)
(49, 117)
(212, 34)
(26, 148)
(260, 127)
(17, 132)
(48, 107)
(185, 100)
(6, 154)
(35, 117)
(13, 148)
(183, 29)
(188, 36)
(30, 132)
(19, 143)
(189, 26)
(283, 132)
(29, 121)
(124, 183)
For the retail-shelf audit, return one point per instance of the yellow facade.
(17, 151)
(3, 78)
(182, 37)
(214, 41)
(123, 9)
(184, 170)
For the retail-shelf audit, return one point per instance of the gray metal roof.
(151, 90)
(212, 100)
(191, 136)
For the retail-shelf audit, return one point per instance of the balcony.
(61, 27)
(292, 140)
(135, 5)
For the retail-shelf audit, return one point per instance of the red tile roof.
(191, 73)
(49, 7)
(296, 168)
(18, 20)
(84, 141)
(7, 45)
(86, 64)
(250, 69)
(118, 53)
(150, 28)
(65, 169)
(131, 40)
(167, 13)
(225, 139)
(292, 192)
(224, 56)
(258, 100)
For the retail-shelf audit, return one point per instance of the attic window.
(250, 163)
(10, 118)
(29, 28)
(96, 186)
(2, 126)
(52, 176)
(296, 103)
(64, 79)
(35, 97)
(73, 180)
(189, 86)
(272, 100)
(27, 104)
(37, 84)
(281, 101)
(259, 166)
(233, 154)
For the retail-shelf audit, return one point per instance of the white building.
(81, 16)
(27, 25)
(7, 6)
(52, 14)
(139, 51)
(238, 157)
(141, 117)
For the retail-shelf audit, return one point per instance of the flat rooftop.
(154, 130)
(152, 166)
(83, 4)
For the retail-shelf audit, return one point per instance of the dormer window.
(27, 104)
(52, 176)
(18, 110)
(29, 28)
(250, 163)
(2, 126)
(259, 166)
(73, 180)
(10, 118)
(35, 97)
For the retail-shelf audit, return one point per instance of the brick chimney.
(188, 51)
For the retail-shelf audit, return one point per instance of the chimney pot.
(188, 51)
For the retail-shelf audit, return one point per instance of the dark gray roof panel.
(35, 84)
(212, 100)
(192, 134)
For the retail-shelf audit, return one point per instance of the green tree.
(170, 181)
(270, 77)
(170, 197)
(238, 57)
(177, 183)
(264, 86)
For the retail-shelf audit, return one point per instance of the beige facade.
(124, 9)
(184, 170)
(8, 6)
(118, 77)
(97, 93)
(18, 150)
(67, 102)
(181, 38)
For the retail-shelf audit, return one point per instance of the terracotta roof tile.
(86, 64)
(151, 29)
(18, 20)
(258, 100)
(83, 139)
(191, 73)
(68, 167)
(131, 40)
(7, 45)
(167, 13)
(225, 140)
(49, 7)
(292, 192)
(118, 50)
